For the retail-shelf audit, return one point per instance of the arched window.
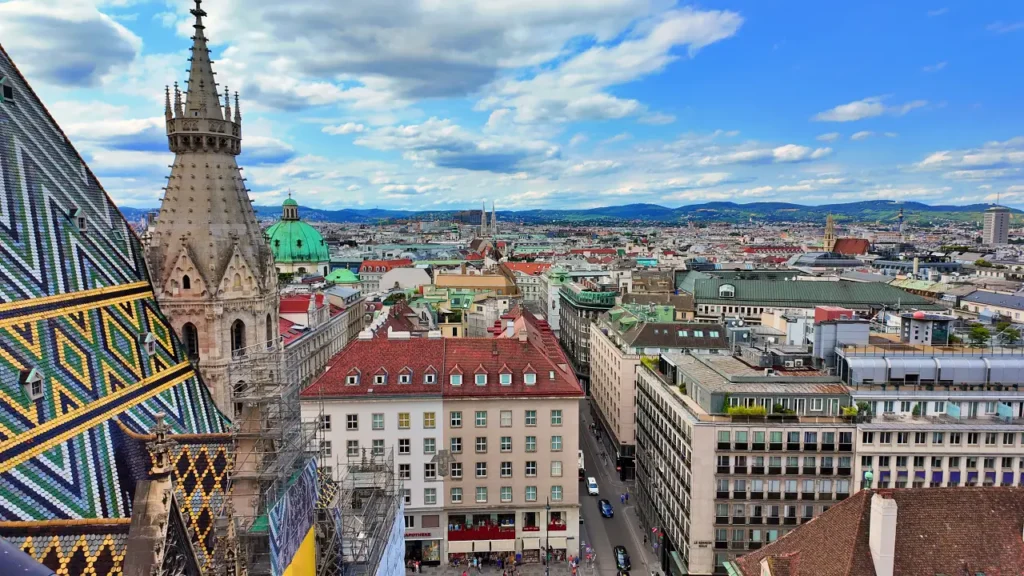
(191, 337)
(237, 284)
(302, 269)
(270, 332)
(238, 338)
(186, 282)
(726, 291)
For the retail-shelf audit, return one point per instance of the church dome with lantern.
(297, 247)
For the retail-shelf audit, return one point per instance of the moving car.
(606, 508)
(621, 558)
(592, 486)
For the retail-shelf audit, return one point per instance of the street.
(604, 533)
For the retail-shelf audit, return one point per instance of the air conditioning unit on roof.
(789, 363)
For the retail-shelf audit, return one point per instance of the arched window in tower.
(270, 332)
(191, 340)
(186, 282)
(237, 283)
(238, 339)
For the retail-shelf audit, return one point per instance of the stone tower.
(829, 242)
(211, 267)
(494, 220)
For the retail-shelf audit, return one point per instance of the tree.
(394, 298)
(982, 263)
(979, 336)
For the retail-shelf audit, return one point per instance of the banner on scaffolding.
(292, 541)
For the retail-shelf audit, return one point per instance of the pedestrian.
(622, 498)
(627, 495)
(464, 573)
(645, 539)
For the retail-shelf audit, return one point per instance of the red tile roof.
(289, 331)
(851, 246)
(531, 268)
(387, 265)
(938, 531)
(298, 303)
(467, 356)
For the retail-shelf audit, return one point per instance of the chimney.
(917, 265)
(510, 328)
(522, 335)
(882, 534)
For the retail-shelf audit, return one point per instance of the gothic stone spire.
(202, 98)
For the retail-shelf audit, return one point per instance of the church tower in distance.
(211, 267)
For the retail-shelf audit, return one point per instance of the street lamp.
(547, 536)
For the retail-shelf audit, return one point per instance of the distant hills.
(871, 211)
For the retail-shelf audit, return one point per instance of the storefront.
(556, 547)
(423, 547)
(531, 550)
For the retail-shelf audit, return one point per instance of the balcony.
(742, 495)
(738, 546)
(721, 545)
(556, 527)
(790, 520)
(808, 496)
(774, 495)
(722, 495)
(809, 471)
(828, 447)
(739, 446)
(721, 519)
(741, 470)
(775, 446)
(846, 447)
(810, 447)
(791, 496)
(754, 545)
(773, 520)
(844, 471)
(827, 472)
(842, 496)
(792, 470)
(792, 446)
(757, 470)
(724, 446)
(739, 520)
(775, 469)
(757, 446)
(825, 496)
(756, 520)
(723, 469)
(485, 533)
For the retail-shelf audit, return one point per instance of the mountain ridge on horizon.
(716, 211)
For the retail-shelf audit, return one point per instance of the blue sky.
(429, 104)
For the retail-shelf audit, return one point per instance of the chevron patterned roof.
(86, 358)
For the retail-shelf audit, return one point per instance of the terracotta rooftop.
(383, 265)
(298, 303)
(418, 357)
(938, 531)
(531, 268)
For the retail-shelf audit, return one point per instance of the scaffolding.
(271, 443)
(357, 512)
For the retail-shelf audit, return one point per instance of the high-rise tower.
(209, 260)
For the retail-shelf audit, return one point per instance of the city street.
(602, 534)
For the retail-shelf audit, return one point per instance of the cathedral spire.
(829, 242)
(167, 103)
(202, 99)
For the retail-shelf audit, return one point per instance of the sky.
(443, 104)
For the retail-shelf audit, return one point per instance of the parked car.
(592, 486)
(621, 558)
(606, 508)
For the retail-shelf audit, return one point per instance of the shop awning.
(503, 545)
(557, 543)
(481, 545)
(531, 543)
(460, 546)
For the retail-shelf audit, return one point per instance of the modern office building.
(996, 226)
(485, 434)
(731, 455)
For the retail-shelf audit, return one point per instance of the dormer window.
(505, 379)
(6, 92)
(551, 375)
(429, 378)
(352, 380)
(726, 291)
(404, 378)
(149, 343)
(380, 379)
(77, 217)
(32, 381)
(530, 378)
(456, 379)
(481, 379)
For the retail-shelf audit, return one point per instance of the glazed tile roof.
(417, 357)
(79, 320)
(938, 531)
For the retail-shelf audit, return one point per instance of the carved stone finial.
(160, 447)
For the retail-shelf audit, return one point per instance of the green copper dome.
(294, 241)
(342, 276)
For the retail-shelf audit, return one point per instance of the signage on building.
(418, 534)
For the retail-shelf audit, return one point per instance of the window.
(506, 491)
(883, 461)
(531, 443)
(506, 443)
(885, 437)
(972, 438)
(556, 417)
(404, 378)
(937, 437)
(816, 404)
(940, 407)
(238, 337)
(481, 469)
(456, 419)
(775, 438)
(990, 439)
(506, 419)
(867, 438)
(430, 471)
(920, 438)
(481, 494)
(429, 446)
(936, 462)
(403, 446)
(556, 493)
(410, 521)
(455, 469)
(1008, 438)
(531, 417)
(954, 461)
(325, 448)
(505, 379)
(905, 406)
(456, 445)
(378, 447)
(481, 379)
(430, 496)
(1007, 463)
(902, 437)
(456, 495)
(325, 422)
(481, 419)
(723, 436)
(429, 420)
(380, 379)
(352, 448)
(455, 380)
(556, 468)
(901, 461)
(556, 443)
(352, 422)
(990, 462)
(531, 468)
(531, 493)
(506, 469)
(377, 421)
(530, 378)
(403, 420)
(405, 471)
(190, 335)
(954, 438)
(429, 378)
(481, 444)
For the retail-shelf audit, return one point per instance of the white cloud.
(937, 12)
(890, 135)
(779, 154)
(593, 168)
(894, 192)
(577, 139)
(934, 67)
(1005, 27)
(862, 135)
(828, 137)
(622, 137)
(657, 119)
(866, 108)
(993, 159)
(65, 42)
(813, 184)
(346, 128)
